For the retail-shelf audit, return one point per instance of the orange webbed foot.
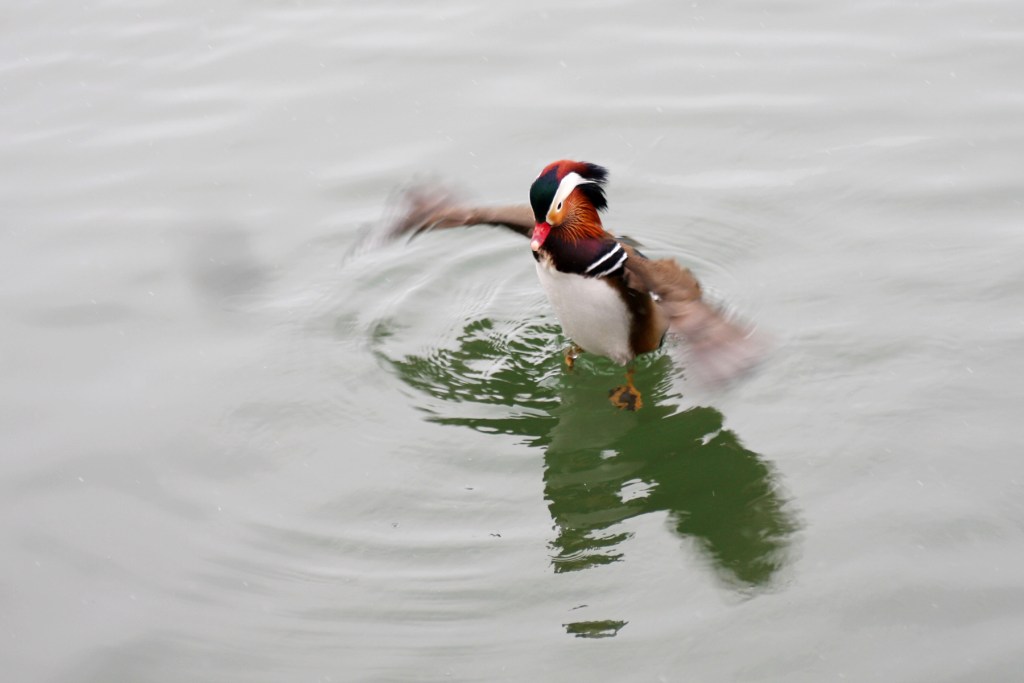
(626, 397)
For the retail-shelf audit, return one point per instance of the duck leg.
(626, 397)
(571, 354)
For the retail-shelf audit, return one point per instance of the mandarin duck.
(610, 299)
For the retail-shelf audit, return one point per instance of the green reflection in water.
(594, 629)
(604, 466)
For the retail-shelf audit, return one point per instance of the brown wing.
(426, 208)
(720, 349)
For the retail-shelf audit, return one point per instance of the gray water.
(237, 445)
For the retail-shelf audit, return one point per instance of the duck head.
(566, 198)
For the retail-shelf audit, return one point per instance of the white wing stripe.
(598, 262)
(613, 268)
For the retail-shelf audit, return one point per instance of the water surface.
(239, 447)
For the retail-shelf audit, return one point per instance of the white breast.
(590, 310)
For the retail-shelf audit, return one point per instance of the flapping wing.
(720, 349)
(427, 208)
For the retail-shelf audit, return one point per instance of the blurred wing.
(720, 349)
(425, 208)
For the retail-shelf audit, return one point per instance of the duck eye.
(559, 207)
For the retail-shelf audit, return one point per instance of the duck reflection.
(603, 466)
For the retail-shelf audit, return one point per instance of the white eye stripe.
(569, 183)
